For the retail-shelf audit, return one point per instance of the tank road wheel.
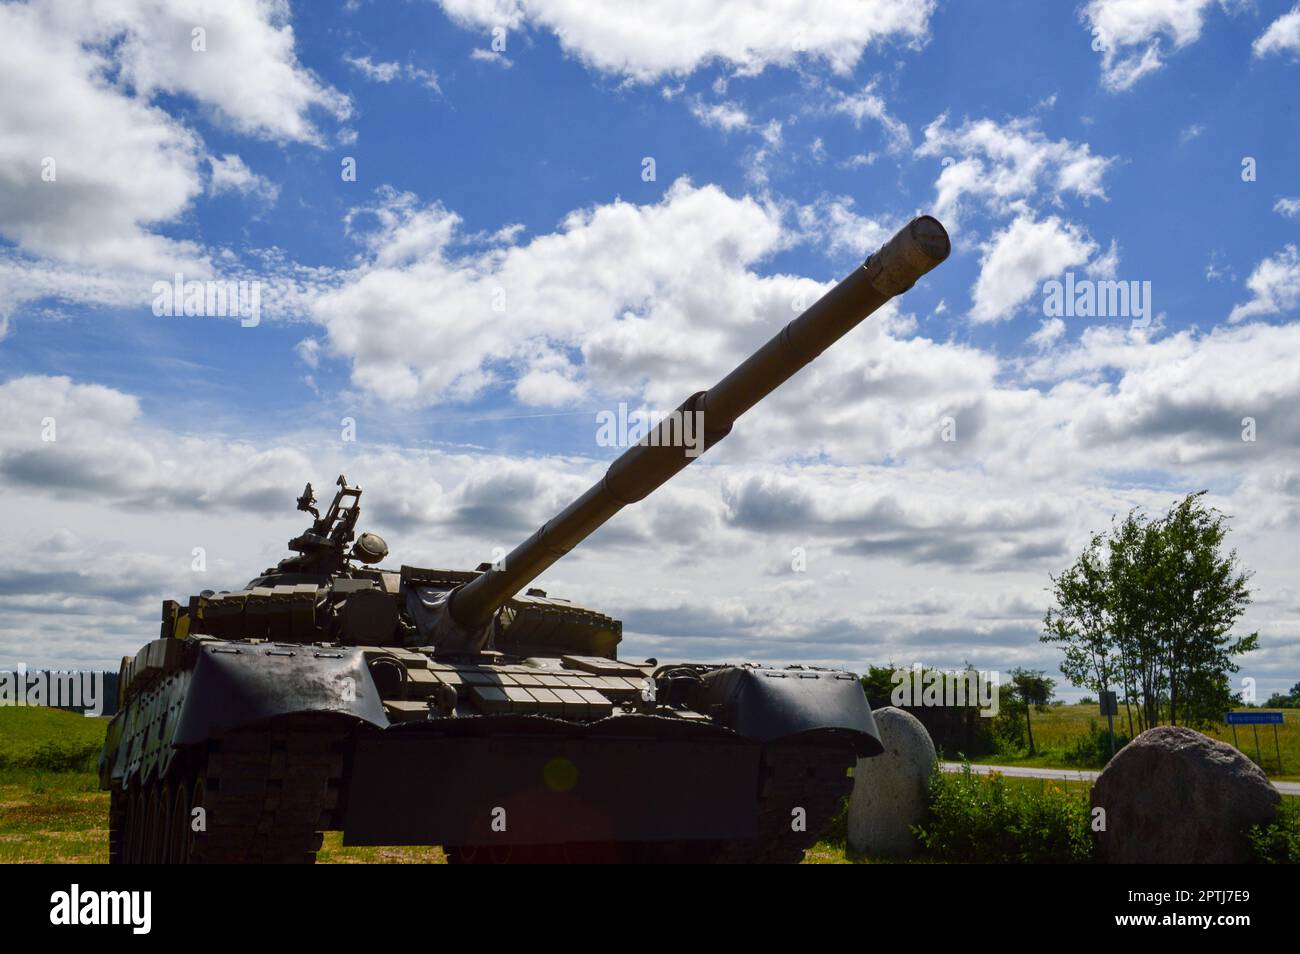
(165, 800)
(149, 826)
(157, 824)
(267, 793)
(815, 779)
(135, 826)
(117, 812)
(178, 842)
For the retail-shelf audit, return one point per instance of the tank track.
(267, 793)
(815, 779)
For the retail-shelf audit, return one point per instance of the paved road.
(1073, 775)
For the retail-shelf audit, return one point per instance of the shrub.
(1092, 750)
(1278, 843)
(979, 818)
(50, 756)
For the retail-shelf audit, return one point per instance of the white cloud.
(1050, 331)
(1282, 36)
(91, 167)
(1133, 34)
(647, 40)
(725, 116)
(119, 164)
(386, 72)
(1288, 206)
(248, 72)
(1017, 259)
(832, 224)
(868, 104)
(639, 290)
(231, 174)
(1003, 164)
(489, 56)
(1275, 283)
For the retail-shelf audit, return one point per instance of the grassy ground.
(1056, 729)
(53, 818)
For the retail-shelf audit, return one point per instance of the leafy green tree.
(1152, 605)
(1032, 689)
(1287, 700)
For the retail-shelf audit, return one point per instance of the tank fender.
(768, 705)
(233, 685)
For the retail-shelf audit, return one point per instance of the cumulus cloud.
(84, 176)
(1282, 36)
(1002, 165)
(1135, 35)
(648, 40)
(1050, 331)
(92, 167)
(660, 291)
(1275, 283)
(724, 116)
(1018, 258)
(231, 174)
(868, 104)
(833, 224)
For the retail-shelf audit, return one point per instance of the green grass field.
(1056, 729)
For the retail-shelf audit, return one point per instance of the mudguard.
(232, 685)
(237, 684)
(769, 705)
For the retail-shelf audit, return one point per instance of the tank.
(468, 710)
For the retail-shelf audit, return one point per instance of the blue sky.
(1106, 139)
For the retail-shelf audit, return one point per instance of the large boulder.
(889, 790)
(1175, 796)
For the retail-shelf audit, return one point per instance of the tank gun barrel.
(918, 247)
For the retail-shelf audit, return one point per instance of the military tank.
(466, 709)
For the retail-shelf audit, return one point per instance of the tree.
(1288, 700)
(1152, 604)
(1199, 595)
(1032, 688)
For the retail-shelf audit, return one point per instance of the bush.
(1278, 843)
(979, 818)
(49, 756)
(1092, 750)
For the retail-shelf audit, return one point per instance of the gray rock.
(889, 790)
(1175, 796)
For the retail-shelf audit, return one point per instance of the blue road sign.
(1253, 718)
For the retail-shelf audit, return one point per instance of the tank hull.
(280, 742)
